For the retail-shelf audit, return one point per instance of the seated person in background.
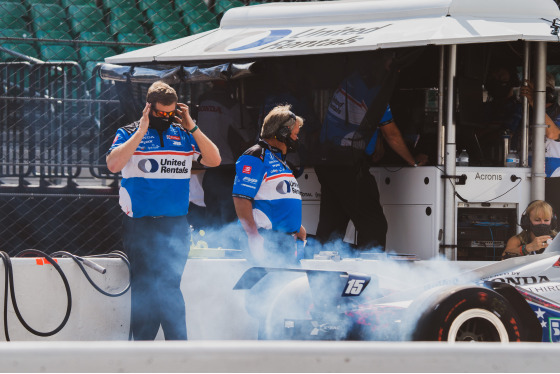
(539, 224)
(502, 112)
(503, 107)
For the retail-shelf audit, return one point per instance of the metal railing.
(54, 133)
(58, 118)
(50, 127)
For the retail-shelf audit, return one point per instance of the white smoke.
(281, 299)
(330, 316)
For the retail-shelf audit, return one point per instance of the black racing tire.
(474, 314)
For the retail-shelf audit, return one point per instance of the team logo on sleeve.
(246, 169)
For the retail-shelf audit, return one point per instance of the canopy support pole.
(525, 115)
(539, 128)
(450, 158)
(441, 88)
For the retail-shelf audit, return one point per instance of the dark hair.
(514, 80)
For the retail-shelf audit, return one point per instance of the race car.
(513, 300)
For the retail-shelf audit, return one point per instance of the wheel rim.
(477, 325)
(287, 305)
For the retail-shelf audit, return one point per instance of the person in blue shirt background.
(266, 194)
(348, 190)
(155, 155)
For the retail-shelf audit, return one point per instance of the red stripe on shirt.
(279, 176)
(165, 153)
(349, 97)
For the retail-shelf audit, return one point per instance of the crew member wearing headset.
(539, 224)
(265, 192)
(155, 155)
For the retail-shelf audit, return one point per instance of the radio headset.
(525, 221)
(551, 95)
(284, 132)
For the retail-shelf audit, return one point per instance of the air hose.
(9, 282)
(93, 265)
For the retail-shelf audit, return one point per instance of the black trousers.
(221, 225)
(157, 249)
(350, 193)
(218, 185)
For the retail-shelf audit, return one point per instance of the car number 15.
(355, 285)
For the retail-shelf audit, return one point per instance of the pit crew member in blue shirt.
(155, 155)
(348, 190)
(265, 192)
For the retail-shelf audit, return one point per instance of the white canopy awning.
(287, 29)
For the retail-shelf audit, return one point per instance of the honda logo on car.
(522, 280)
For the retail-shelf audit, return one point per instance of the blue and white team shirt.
(552, 147)
(263, 177)
(346, 110)
(155, 181)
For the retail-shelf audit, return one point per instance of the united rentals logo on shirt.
(173, 166)
(287, 187)
(166, 166)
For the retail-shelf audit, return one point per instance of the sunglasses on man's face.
(161, 113)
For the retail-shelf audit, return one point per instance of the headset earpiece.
(283, 133)
(551, 95)
(525, 222)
